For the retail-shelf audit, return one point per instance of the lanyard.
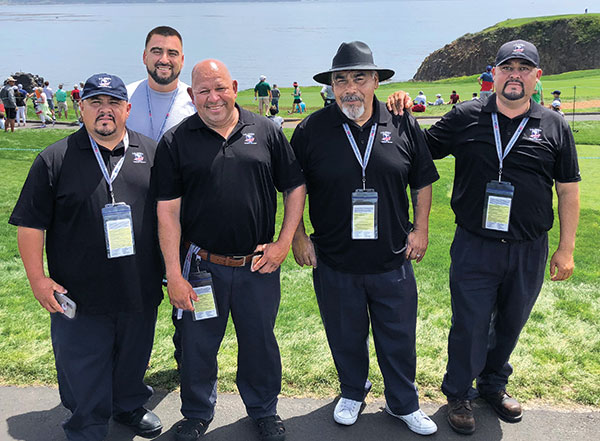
(510, 144)
(363, 162)
(150, 112)
(109, 179)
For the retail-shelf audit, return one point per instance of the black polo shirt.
(399, 158)
(64, 194)
(228, 186)
(544, 153)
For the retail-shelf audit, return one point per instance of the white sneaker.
(417, 421)
(346, 411)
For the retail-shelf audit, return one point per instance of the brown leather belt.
(235, 261)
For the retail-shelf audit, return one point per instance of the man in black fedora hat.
(358, 159)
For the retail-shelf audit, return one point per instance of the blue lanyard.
(162, 127)
(363, 162)
(109, 179)
(510, 144)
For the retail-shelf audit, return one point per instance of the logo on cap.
(104, 81)
(518, 48)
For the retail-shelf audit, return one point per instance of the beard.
(513, 96)
(105, 130)
(161, 80)
(353, 111)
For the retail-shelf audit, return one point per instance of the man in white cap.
(262, 90)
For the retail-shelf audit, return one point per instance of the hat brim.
(519, 56)
(325, 77)
(104, 92)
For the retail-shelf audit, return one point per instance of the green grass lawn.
(557, 360)
(587, 83)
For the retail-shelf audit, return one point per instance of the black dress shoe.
(142, 421)
(505, 406)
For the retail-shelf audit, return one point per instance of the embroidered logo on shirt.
(535, 134)
(138, 158)
(386, 137)
(249, 138)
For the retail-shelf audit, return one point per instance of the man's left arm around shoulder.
(562, 263)
(418, 238)
(274, 253)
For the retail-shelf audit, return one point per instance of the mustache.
(103, 115)
(353, 97)
(513, 81)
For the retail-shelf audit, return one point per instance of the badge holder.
(497, 205)
(364, 214)
(118, 230)
(205, 307)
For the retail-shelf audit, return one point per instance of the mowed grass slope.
(556, 361)
(587, 83)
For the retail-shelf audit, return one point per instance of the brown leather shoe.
(460, 416)
(505, 406)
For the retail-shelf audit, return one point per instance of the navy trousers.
(253, 300)
(494, 286)
(389, 301)
(101, 360)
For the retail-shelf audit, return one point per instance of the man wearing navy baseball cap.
(89, 196)
(510, 153)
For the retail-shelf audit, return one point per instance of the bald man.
(218, 174)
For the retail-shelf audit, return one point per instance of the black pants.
(253, 300)
(389, 301)
(101, 360)
(494, 286)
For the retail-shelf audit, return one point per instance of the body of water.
(286, 41)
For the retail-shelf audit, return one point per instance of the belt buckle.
(240, 257)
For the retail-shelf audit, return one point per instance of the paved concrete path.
(35, 414)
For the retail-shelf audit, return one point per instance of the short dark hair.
(165, 31)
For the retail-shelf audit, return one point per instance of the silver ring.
(418, 255)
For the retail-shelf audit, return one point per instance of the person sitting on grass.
(278, 120)
(454, 98)
(438, 101)
(420, 102)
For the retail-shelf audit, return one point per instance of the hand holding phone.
(69, 307)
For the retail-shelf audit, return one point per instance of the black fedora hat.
(355, 55)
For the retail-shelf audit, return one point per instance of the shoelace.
(349, 405)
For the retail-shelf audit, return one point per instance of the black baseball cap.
(518, 49)
(104, 84)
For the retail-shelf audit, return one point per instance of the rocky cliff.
(564, 44)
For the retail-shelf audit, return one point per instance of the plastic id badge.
(205, 307)
(118, 230)
(497, 204)
(364, 214)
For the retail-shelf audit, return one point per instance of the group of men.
(208, 191)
